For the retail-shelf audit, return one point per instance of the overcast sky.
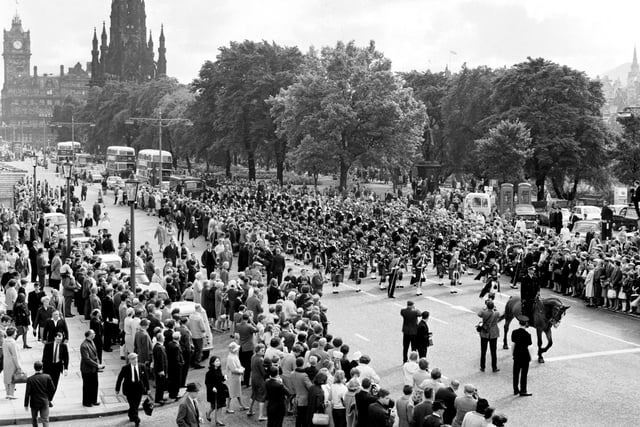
(589, 35)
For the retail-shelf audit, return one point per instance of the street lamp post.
(131, 187)
(35, 190)
(67, 170)
(162, 122)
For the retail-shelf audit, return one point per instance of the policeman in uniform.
(521, 340)
(529, 291)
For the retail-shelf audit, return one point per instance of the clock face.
(17, 44)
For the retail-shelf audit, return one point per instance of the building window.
(49, 92)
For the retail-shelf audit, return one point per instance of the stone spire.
(162, 59)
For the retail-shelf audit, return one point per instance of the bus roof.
(68, 144)
(152, 152)
(120, 149)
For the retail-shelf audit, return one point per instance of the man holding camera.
(379, 412)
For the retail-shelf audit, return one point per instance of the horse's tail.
(508, 308)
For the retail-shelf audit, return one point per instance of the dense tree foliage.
(502, 154)
(348, 100)
(236, 88)
(561, 108)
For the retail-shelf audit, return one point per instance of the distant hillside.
(620, 72)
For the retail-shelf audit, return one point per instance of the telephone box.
(524, 193)
(506, 197)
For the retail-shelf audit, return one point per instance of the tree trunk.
(251, 164)
(188, 164)
(280, 172)
(206, 160)
(344, 175)
(227, 165)
(315, 180)
(540, 184)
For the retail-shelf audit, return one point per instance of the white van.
(478, 202)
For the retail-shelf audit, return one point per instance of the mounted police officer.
(529, 291)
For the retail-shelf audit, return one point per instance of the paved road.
(589, 375)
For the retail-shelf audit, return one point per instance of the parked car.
(56, 218)
(115, 181)
(111, 260)
(95, 176)
(528, 213)
(585, 226)
(587, 212)
(627, 217)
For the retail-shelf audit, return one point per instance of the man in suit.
(409, 329)
(277, 265)
(56, 264)
(188, 411)
(521, 341)
(422, 337)
(423, 409)
(53, 326)
(135, 384)
(378, 412)
(208, 260)
(300, 384)
(142, 345)
(89, 367)
(55, 358)
(435, 419)
(170, 253)
(448, 396)
(277, 395)
(175, 362)
(364, 398)
(38, 395)
(160, 368)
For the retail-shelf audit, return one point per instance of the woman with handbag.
(235, 371)
(217, 390)
(13, 372)
(316, 407)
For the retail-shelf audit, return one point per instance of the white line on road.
(362, 337)
(434, 299)
(461, 308)
(606, 336)
(593, 354)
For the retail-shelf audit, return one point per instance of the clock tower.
(16, 52)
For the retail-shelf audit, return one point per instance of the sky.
(589, 35)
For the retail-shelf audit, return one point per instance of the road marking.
(362, 337)
(434, 299)
(461, 308)
(607, 336)
(593, 354)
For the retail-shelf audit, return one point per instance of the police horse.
(547, 312)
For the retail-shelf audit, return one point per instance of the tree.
(561, 108)
(626, 152)
(312, 157)
(430, 88)
(238, 84)
(348, 100)
(65, 113)
(503, 152)
(465, 106)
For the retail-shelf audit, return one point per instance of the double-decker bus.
(147, 166)
(67, 150)
(120, 161)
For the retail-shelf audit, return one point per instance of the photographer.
(379, 413)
